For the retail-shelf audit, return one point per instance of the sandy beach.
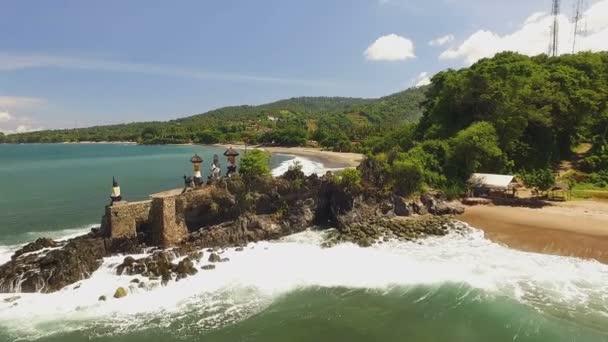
(577, 228)
(329, 159)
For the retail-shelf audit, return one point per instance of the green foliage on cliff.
(504, 114)
(348, 179)
(255, 163)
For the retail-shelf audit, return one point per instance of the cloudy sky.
(80, 63)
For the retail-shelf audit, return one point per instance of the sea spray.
(309, 167)
(569, 288)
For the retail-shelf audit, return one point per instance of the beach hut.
(488, 184)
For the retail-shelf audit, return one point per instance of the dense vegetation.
(334, 122)
(507, 114)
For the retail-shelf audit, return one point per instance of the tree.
(475, 149)
(255, 164)
(2, 137)
(541, 179)
(407, 176)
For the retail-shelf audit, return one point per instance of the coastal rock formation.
(230, 213)
(49, 272)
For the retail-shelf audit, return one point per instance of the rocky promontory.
(229, 213)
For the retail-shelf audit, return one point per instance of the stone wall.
(124, 219)
(167, 227)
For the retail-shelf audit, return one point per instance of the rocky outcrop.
(230, 213)
(37, 245)
(48, 272)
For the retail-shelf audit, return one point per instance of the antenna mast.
(578, 16)
(553, 45)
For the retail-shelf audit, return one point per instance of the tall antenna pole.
(553, 46)
(578, 16)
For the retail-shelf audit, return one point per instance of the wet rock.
(185, 268)
(239, 249)
(102, 298)
(120, 292)
(165, 279)
(208, 267)
(135, 281)
(197, 256)
(77, 260)
(11, 299)
(37, 245)
(142, 285)
(224, 259)
(214, 258)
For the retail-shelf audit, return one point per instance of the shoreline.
(577, 228)
(329, 159)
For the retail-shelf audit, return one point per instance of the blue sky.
(66, 63)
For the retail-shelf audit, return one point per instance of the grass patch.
(589, 190)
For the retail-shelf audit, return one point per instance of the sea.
(459, 287)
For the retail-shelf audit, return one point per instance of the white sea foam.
(308, 167)
(253, 278)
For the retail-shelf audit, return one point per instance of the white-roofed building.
(483, 184)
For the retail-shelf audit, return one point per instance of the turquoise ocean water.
(460, 287)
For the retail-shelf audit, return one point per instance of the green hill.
(289, 122)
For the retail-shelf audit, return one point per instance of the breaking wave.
(253, 279)
(308, 166)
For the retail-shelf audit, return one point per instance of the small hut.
(231, 155)
(489, 185)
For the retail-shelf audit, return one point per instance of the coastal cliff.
(230, 213)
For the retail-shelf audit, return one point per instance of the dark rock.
(102, 298)
(214, 258)
(11, 299)
(37, 245)
(166, 278)
(239, 249)
(186, 268)
(77, 260)
(224, 259)
(208, 267)
(400, 207)
(135, 281)
(196, 256)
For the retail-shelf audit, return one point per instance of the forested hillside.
(287, 122)
(511, 113)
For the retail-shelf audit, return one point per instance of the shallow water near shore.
(459, 287)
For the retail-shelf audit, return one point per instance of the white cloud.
(5, 116)
(13, 117)
(14, 102)
(440, 41)
(11, 62)
(27, 128)
(532, 38)
(423, 79)
(390, 48)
